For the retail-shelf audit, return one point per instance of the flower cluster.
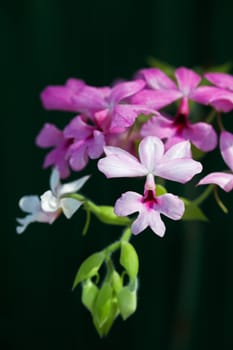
(151, 127)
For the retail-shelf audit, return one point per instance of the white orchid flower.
(51, 203)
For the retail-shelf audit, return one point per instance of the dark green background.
(186, 279)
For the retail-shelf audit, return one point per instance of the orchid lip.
(149, 199)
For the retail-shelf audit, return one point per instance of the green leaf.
(89, 294)
(89, 268)
(102, 306)
(160, 190)
(127, 302)
(193, 212)
(129, 259)
(105, 213)
(223, 68)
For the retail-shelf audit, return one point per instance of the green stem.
(219, 202)
(116, 245)
(211, 116)
(204, 195)
(87, 223)
(220, 124)
(76, 196)
(112, 247)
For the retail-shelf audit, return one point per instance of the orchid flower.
(87, 100)
(162, 91)
(223, 179)
(174, 164)
(149, 207)
(51, 203)
(114, 108)
(174, 130)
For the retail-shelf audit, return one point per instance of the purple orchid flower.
(149, 207)
(223, 179)
(162, 91)
(174, 130)
(175, 164)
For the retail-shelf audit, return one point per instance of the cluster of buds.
(146, 128)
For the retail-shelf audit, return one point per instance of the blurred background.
(186, 279)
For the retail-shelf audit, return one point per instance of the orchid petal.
(57, 157)
(205, 94)
(49, 136)
(126, 89)
(180, 170)
(124, 116)
(96, 145)
(160, 126)
(49, 202)
(120, 163)
(89, 101)
(129, 203)
(140, 224)
(156, 99)
(177, 151)
(74, 186)
(172, 141)
(78, 129)
(78, 156)
(150, 150)
(30, 204)
(187, 80)
(156, 79)
(202, 135)
(226, 147)
(156, 223)
(55, 181)
(171, 206)
(222, 104)
(69, 206)
(60, 97)
(222, 80)
(223, 180)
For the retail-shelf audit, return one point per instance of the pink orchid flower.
(113, 102)
(88, 142)
(51, 137)
(222, 101)
(149, 207)
(175, 164)
(174, 130)
(162, 91)
(115, 108)
(56, 97)
(223, 179)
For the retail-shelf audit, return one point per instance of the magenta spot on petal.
(149, 199)
(181, 123)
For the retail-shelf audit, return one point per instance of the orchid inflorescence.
(147, 128)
